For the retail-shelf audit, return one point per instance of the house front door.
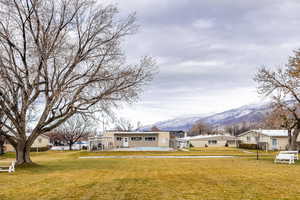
(274, 144)
(125, 142)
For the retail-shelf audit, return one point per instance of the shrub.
(247, 146)
(84, 148)
(39, 149)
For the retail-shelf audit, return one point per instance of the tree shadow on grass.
(69, 165)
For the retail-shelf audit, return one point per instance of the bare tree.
(283, 86)
(74, 129)
(154, 129)
(200, 128)
(123, 124)
(59, 58)
(139, 125)
(276, 119)
(2, 133)
(55, 138)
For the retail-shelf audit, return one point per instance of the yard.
(62, 175)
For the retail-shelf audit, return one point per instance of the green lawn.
(61, 175)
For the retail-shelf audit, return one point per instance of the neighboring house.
(267, 139)
(174, 135)
(80, 145)
(128, 139)
(40, 142)
(208, 141)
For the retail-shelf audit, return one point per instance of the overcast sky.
(207, 51)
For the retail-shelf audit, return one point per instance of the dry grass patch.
(64, 176)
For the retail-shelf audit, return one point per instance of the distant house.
(40, 142)
(208, 141)
(129, 140)
(267, 139)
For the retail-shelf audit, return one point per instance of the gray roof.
(199, 137)
(270, 133)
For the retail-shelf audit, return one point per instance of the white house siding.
(133, 143)
(249, 137)
(41, 141)
(282, 142)
(162, 139)
(204, 141)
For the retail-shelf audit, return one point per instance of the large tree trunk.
(293, 140)
(23, 153)
(293, 145)
(1, 149)
(290, 140)
(2, 141)
(70, 146)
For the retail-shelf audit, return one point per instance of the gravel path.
(95, 157)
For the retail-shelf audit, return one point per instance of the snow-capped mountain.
(249, 113)
(179, 123)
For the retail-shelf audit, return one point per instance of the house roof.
(42, 135)
(138, 132)
(29, 133)
(269, 132)
(207, 137)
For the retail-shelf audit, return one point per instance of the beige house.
(269, 139)
(208, 141)
(40, 142)
(130, 140)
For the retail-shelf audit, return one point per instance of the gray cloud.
(208, 51)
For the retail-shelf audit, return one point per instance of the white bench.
(285, 158)
(8, 169)
(295, 153)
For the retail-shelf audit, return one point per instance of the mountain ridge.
(252, 113)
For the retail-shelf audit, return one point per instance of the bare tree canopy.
(123, 124)
(283, 85)
(154, 129)
(239, 128)
(74, 129)
(59, 58)
(277, 119)
(200, 128)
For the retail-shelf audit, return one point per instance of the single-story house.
(267, 139)
(130, 139)
(40, 142)
(208, 141)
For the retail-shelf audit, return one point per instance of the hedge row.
(39, 149)
(247, 146)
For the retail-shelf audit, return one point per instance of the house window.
(274, 143)
(230, 142)
(136, 138)
(119, 138)
(248, 138)
(212, 141)
(40, 140)
(150, 138)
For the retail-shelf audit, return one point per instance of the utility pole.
(257, 142)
